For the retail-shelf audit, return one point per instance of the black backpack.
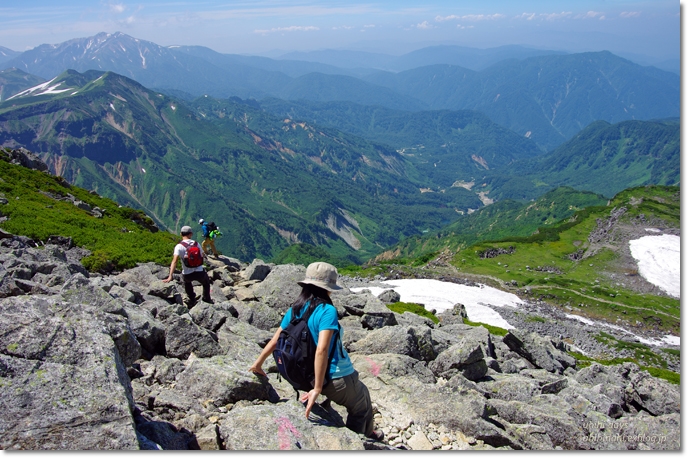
(295, 353)
(212, 226)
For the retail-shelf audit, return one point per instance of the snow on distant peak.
(43, 88)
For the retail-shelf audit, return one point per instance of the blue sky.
(631, 27)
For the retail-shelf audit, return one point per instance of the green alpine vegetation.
(401, 307)
(506, 218)
(577, 264)
(37, 205)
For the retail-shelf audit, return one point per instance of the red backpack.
(194, 256)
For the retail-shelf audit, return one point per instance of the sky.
(271, 27)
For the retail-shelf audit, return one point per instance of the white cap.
(200, 221)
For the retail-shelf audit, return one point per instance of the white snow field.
(659, 262)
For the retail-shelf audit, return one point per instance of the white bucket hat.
(323, 275)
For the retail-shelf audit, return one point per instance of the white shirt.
(180, 250)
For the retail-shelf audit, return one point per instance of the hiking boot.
(208, 301)
(190, 303)
(377, 435)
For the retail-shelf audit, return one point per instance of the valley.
(505, 222)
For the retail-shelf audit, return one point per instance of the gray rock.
(257, 270)
(184, 337)
(122, 293)
(389, 296)
(411, 319)
(645, 432)
(279, 289)
(540, 351)
(167, 436)
(455, 315)
(212, 316)
(402, 340)
(233, 331)
(258, 314)
(283, 426)
(166, 291)
(52, 397)
(549, 413)
(220, 380)
(363, 304)
(390, 366)
(149, 331)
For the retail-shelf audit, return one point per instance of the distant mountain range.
(267, 182)
(471, 58)
(352, 160)
(546, 96)
(272, 180)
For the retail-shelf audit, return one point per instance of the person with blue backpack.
(210, 231)
(325, 367)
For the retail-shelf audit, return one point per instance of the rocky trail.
(94, 362)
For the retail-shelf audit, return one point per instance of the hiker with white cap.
(209, 229)
(191, 255)
(334, 373)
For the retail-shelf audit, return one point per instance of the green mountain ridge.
(271, 182)
(545, 96)
(105, 132)
(603, 158)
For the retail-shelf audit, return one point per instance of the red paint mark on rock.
(374, 367)
(284, 427)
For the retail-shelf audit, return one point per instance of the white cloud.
(591, 15)
(117, 7)
(526, 16)
(424, 25)
(369, 26)
(556, 16)
(627, 14)
(471, 17)
(293, 28)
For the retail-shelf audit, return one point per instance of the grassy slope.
(593, 286)
(116, 240)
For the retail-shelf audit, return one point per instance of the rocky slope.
(118, 362)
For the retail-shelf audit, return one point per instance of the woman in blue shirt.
(344, 387)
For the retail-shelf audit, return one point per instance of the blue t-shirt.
(323, 318)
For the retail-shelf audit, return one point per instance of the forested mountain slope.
(266, 182)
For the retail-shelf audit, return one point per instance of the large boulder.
(538, 350)
(279, 289)
(406, 400)
(389, 366)
(373, 312)
(560, 422)
(258, 314)
(64, 385)
(465, 357)
(257, 270)
(402, 340)
(283, 426)
(221, 380)
(184, 337)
